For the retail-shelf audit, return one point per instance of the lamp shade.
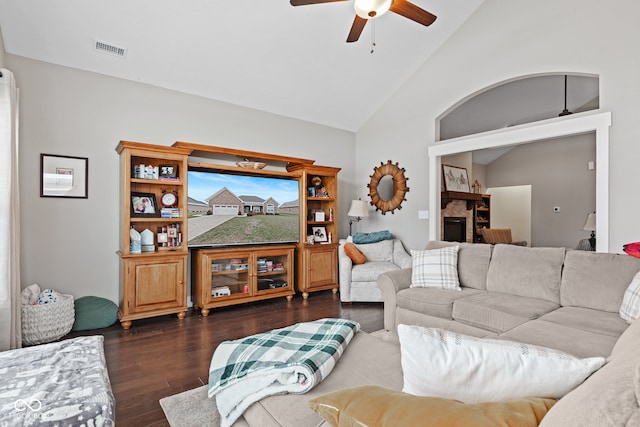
(358, 209)
(368, 9)
(590, 223)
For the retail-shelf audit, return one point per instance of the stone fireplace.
(455, 229)
(456, 216)
(451, 216)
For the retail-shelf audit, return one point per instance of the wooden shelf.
(448, 196)
(237, 170)
(240, 154)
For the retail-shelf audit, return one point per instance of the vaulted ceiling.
(261, 54)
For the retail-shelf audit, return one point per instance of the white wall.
(70, 244)
(501, 41)
(558, 173)
(511, 208)
(2, 53)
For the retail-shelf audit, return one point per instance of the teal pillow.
(373, 237)
(94, 313)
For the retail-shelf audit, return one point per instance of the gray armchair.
(359, 282)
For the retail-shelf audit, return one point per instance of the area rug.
(191, 408)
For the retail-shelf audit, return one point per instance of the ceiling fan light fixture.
(368, 9)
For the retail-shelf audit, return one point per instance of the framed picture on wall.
(64, 176)
(455, 178)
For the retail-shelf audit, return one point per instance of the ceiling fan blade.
(356, 29)
(305, 2)
(411, 11)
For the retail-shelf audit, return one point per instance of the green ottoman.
(94, 313)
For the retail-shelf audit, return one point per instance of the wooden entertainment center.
(153, 281)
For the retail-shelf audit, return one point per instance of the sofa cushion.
(588, 319)
(378, 406)
(435, 268)
(499, 312)
(434, 302)
(380, 251)
(610, 396)
(630, 308)
(356, 255)
(369, 271)
(473, 262)
(527, 272)
(439, 363)
(367, 360)
(596, 280)
(575, 341)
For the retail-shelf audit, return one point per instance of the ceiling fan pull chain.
(373, 35)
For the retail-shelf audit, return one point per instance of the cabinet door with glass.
(223, 277)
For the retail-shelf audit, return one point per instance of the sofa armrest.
(344, 271)
(390, 283)
(400, 256)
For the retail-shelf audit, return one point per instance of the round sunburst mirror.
(387, 187)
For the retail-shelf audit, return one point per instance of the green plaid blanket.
(288, 360)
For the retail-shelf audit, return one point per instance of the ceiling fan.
(369, 9)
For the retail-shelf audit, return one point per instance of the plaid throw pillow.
(435, 268)
(630, 308)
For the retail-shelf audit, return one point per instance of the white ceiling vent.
(110, 49)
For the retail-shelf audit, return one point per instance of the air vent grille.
(110, 49)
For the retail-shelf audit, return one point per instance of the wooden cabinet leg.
(126, 324)
(182, 315)
(204, 312)
(305, 295)
(289, 297)
(334, 290)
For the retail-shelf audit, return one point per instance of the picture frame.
(455, 178)
(64, 176)
(320, 234)
(168, 171)
(144, 205)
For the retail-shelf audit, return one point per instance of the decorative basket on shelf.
(44, 323)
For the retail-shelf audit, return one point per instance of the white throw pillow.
(435, 268)
(630, 308)
(449, 365)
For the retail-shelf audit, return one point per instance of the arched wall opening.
(595, 122)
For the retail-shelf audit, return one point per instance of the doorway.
(592, 121)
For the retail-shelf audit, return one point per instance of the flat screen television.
(228, 209)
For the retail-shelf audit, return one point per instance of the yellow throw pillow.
(354, 253)
(381, 407)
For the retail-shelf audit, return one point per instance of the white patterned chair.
(358, 282)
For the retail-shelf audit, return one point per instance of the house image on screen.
(225, 202)
(256, 205)
(292, 207)
(196, 207)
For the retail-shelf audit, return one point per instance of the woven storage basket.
(47, 322)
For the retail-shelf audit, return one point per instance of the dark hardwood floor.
(162, 356)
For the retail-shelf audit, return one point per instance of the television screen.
(227, 209)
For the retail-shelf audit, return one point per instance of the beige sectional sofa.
(564, 299)
(567, 300)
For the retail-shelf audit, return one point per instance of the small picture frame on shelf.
(168, 171)
(455, 179)
(319, 234)
(144, 205)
